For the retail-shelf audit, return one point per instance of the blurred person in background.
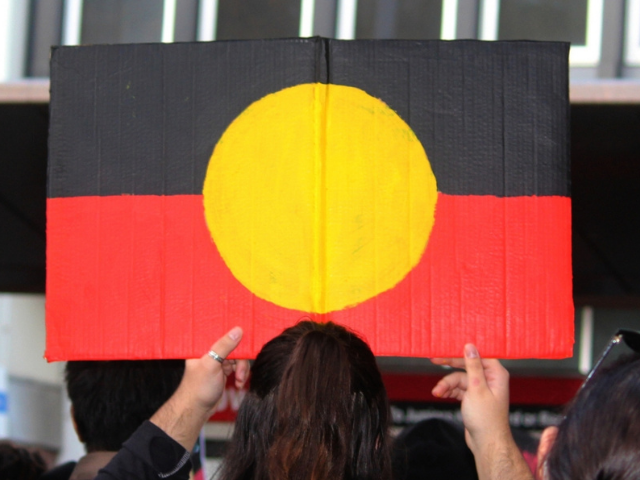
(433, 449)
(109, 401)
(19, 464)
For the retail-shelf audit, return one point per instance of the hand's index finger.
(452, 386)
(474, 368)
(242, 373)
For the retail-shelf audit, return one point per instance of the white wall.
(70, 448)
(22, 338)
(38, 410)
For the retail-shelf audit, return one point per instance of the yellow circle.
(319, 197)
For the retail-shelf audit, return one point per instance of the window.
(632, 41)
(245, 19)
(45, 29)
(405, 19)
(75, 22)
(575, 21)
(121, 21)
(411, 19)
(128, 21)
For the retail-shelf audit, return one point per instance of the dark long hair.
(316, 409)
(599, 439)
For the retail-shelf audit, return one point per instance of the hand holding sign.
(184, 414)
(483, 389)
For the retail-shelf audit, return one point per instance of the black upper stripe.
(493, 117)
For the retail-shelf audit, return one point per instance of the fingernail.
(470, 351)
(235, 333)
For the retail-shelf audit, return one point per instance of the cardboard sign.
(416, 192)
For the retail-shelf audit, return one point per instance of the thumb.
(227, 343)
(474, 368)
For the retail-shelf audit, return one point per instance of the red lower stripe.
(139, 277)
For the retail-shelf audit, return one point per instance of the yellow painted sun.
(319, 197)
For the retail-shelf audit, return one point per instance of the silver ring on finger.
(215, 356)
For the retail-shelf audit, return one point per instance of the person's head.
(316, 408)
(19, 464)
(111, 399)
(433, 448)
(599, 438)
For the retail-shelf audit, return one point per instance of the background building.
(605, 109)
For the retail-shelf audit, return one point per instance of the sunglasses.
(630, 337)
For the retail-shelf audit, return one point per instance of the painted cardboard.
(446, 163)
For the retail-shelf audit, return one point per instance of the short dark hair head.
(600, 435)
(19, 464)
(316, 408)
(111, 399)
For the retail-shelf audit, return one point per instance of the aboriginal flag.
(414, 191)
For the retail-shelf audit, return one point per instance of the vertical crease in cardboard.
(505, 213)
(410, 216)
(98, 249)
(131, 274)
(320, 109)
(163, 259)
(192, 116)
